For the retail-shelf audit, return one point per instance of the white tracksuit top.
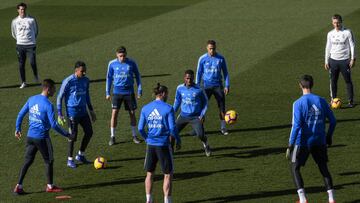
(340, 45)
(24, 30)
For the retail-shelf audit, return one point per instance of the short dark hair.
(121, 49)
(159, 89)
(48, 83)
(337, 17)
(22, 4)
(307, 81)
(212, 42)
(190, 72)
(80, 64)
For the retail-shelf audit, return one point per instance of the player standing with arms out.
(193, 102)
(41, 119)
(159, 117)
(209, 69)
(308, 136)
(340, 57)
(75, 92)
(121, 73)
(24, 30)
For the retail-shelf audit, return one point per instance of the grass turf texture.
(267, 44)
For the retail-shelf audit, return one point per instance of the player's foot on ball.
(224, 131)
(71, 164)
(207, 149)
(136, 140)
(23, 85)
(81, 158)
(18, 190)
(112, 141)
(53, 189)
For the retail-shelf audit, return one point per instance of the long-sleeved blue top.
(41, 117)
(308, 123)
(159, 118)
(75, 92)
(209, 70)
(121, 75)
(192, 99)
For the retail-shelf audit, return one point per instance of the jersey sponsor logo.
(35, 110)
(122, 75)
(314, 116)
(212, 69)
(154, 119)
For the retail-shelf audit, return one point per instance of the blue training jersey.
(75, 92)
(121, 75)
(308, 123)
(193, 101)
(41, 117)
(159, 117)
(209, 70)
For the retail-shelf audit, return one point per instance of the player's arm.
(138, 79)
(53, 123)
(199, 72)
(88, 102)
(13, 29)
(109, 80)
(173, 130)
(352, 49)
(327, 51)
(177, 101)
(226, 76)
(296, 124)
(141, 125)
(36, 28)
(24, 110)
(204, 101)
(332, 123)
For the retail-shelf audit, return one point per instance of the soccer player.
(308, 136)
(340, 57)
(159, 117)
(121, 73)
(75, 92)
(209, 69)
(193, 102)
(24, 30)
(41, 119)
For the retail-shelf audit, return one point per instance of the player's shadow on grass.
(350, 173)
(267, 194)
(216, 149)
(141, 179)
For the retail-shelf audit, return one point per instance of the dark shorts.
(128, 99)
(300, 155)
(219, 94)
(42, 145)
(163, 154)
(85, 123)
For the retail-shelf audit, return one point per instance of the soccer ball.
(231, 117)
(336, 103)
(100, 162)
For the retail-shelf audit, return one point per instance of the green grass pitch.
(268, 44)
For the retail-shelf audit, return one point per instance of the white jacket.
(24, 30)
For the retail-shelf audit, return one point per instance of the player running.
(75, 92)
(193, 102)
(41, 119)
(209, 70)
(121, 73)
(308, 136)
(159, 118)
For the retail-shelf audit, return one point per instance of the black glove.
(71, 136)
(329, 140)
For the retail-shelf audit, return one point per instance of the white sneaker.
(207, 149)
(23, 85)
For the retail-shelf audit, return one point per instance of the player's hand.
(178, 147)
(226, 91)
(108, 97)
(139, 96)
(326, 66)
(202, 119)
(288, 152)
(71, 137)
(61, 120)
(93, 116)
(18, 135)
(352, 63)
(329, 140)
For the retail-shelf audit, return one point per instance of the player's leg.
(73, 129)
(32, 56)
(334, 76)
(149, 166)
(29, 159)
(320, 156)
(21, 54)
(198, 127)
(180, 123)
(167, 167)
(298, 159)
(116, 104)
(220, 99)
(86, 125)
(346, 73)
(131, 106)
